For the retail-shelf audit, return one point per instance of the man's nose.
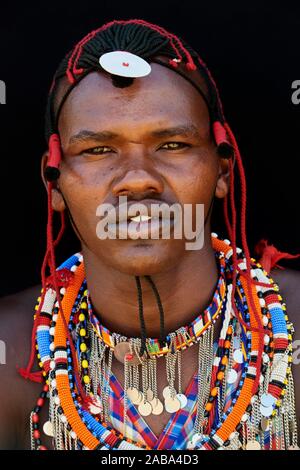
(137, 181)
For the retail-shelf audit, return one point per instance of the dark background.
(253, 52)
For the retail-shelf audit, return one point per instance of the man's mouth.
(142, 227)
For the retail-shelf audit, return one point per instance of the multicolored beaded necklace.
(264, 419)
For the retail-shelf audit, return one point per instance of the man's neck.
(184, 290)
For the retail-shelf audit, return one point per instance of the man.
(155, 135)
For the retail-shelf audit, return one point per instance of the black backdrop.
(252, 50)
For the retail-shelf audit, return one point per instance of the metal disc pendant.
(140, 398)
(238, 356)
(267, 400)
(133, 394)
(183, 400)
(145, 408)
(253, 445)
(232, 376)
(266, 411)
(157, 406)
(172, 404)
(167, 392)
(48, 428)
(149, 395)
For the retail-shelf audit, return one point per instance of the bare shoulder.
(16, 394)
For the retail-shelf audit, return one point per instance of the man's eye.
(174, 145)
(98, 150)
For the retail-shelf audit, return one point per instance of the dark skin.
(139, 163)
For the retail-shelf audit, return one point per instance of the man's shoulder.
(16, 315)
(16, 394)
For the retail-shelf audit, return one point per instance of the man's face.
(153, 144)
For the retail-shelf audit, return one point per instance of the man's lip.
(141, 230)
(120, 214)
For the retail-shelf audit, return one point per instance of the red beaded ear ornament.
(52, 169)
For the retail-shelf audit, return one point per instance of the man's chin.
(144, 257)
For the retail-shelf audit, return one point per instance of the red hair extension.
(203, 64)
(165, 33)
(52, 264)
(190, 63)
(220, 133)
(226, 216)
(77, 51)
(54, 151)
(26, 372)
(262, 332)
(69, 74)
(52, 169)
(233, 244)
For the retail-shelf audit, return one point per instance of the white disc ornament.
(133, 395)
(183, 400)
(157, 407)
(267, 399)
(172, 404)
(266, 411)
(145, 408)
(149, 395)
(48, 428)
(167, 392)
(232, 376)
(124, 64)
(253, 445)
(238, 356)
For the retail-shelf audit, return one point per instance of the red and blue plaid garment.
(179, 429)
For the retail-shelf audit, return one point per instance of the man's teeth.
(140, 218)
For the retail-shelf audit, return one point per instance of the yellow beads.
(81, 317)
(86, 379)
(82, 332)
(83, 347)
(85, 364)
(83, 305)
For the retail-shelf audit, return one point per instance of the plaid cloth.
(179, 429)
(175, 434)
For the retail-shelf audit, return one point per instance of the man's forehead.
(160, 76)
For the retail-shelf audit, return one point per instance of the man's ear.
(223, 182)
(58, 203)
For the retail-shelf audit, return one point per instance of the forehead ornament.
(124, 64)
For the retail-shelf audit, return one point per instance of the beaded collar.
(239, 421)
(186, 335)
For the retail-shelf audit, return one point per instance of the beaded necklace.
(251, 421)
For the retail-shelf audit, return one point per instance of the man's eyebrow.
(186, 130)
(85, 135)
